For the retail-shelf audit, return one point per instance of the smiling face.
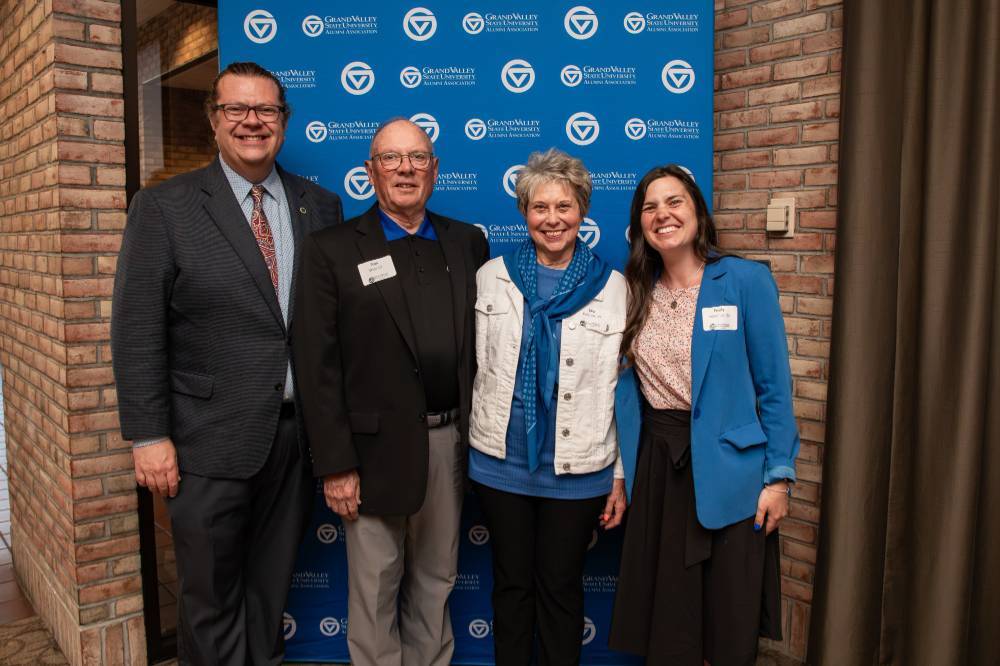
(553, 217)
(402, 193)
(248, 146)
(669, 220)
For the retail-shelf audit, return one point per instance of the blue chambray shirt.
(280, 219)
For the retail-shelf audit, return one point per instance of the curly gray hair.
(553, 166)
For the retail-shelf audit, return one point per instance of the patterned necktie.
(262, 231)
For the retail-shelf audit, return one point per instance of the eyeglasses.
(238, 112)
(419, 159)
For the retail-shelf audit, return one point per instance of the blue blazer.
(743, 431)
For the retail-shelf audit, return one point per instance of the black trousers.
(236, 542)
(539, 549)
(687, 594)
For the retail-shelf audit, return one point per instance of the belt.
(438, 419)
(287, 410)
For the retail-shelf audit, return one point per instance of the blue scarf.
(584, 278)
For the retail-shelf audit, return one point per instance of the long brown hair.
(644, 264)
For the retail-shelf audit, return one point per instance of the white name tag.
(719, 318)
(377, 270)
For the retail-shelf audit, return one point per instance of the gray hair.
(553, 166)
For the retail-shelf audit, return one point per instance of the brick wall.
(73, 502)
(174, 136)
(777, 104)
(62, 201)
(175, 37)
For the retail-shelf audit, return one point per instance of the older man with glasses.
(384, 347)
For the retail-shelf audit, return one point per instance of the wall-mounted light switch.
(781, 217)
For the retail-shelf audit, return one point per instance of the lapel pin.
(302, 209)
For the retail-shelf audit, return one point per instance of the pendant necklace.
(673, 302)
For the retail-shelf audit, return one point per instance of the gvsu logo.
(634, 23)
(582, 128)
(288, 626)
(427, 123)
(473, 23)
(420, 24)
(677, 76)
(518, 76)
(510, 179)
(329, 626)
(580, 22)
(571, 76)
(312, 26)
(260, 26)
(316, 132)
(357, 185)
(410, 77)
(357, 78)
(326, 533)
(478, 535)
(635, 128)
(475, 129)
(589, 233)
(589, 631)
(479, 628)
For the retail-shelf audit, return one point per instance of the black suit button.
(279, 386)
(421, 417)
(416, 371)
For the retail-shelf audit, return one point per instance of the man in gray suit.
(201, 334)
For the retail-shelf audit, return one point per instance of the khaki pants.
(410, 558)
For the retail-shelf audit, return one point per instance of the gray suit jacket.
(199, 342)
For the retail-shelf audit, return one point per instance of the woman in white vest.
(544, 459)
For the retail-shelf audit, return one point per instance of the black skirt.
(685, 593)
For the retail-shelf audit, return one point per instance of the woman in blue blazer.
(699, 577)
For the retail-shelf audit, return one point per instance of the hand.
(343, 493)
(772, 505)
(614, 508)
(156, 467)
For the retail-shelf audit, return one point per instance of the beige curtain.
(909, 563)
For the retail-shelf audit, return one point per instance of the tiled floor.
(28, 641)
(13, 604)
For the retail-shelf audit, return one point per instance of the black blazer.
(199, 343)
(362, 396)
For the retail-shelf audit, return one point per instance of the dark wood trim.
(130, 80)
(165, 76)
(158, 647)
(150, 578)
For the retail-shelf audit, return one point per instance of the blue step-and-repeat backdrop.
(625, 86)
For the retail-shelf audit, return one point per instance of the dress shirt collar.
(393, 231)
(241, 186)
